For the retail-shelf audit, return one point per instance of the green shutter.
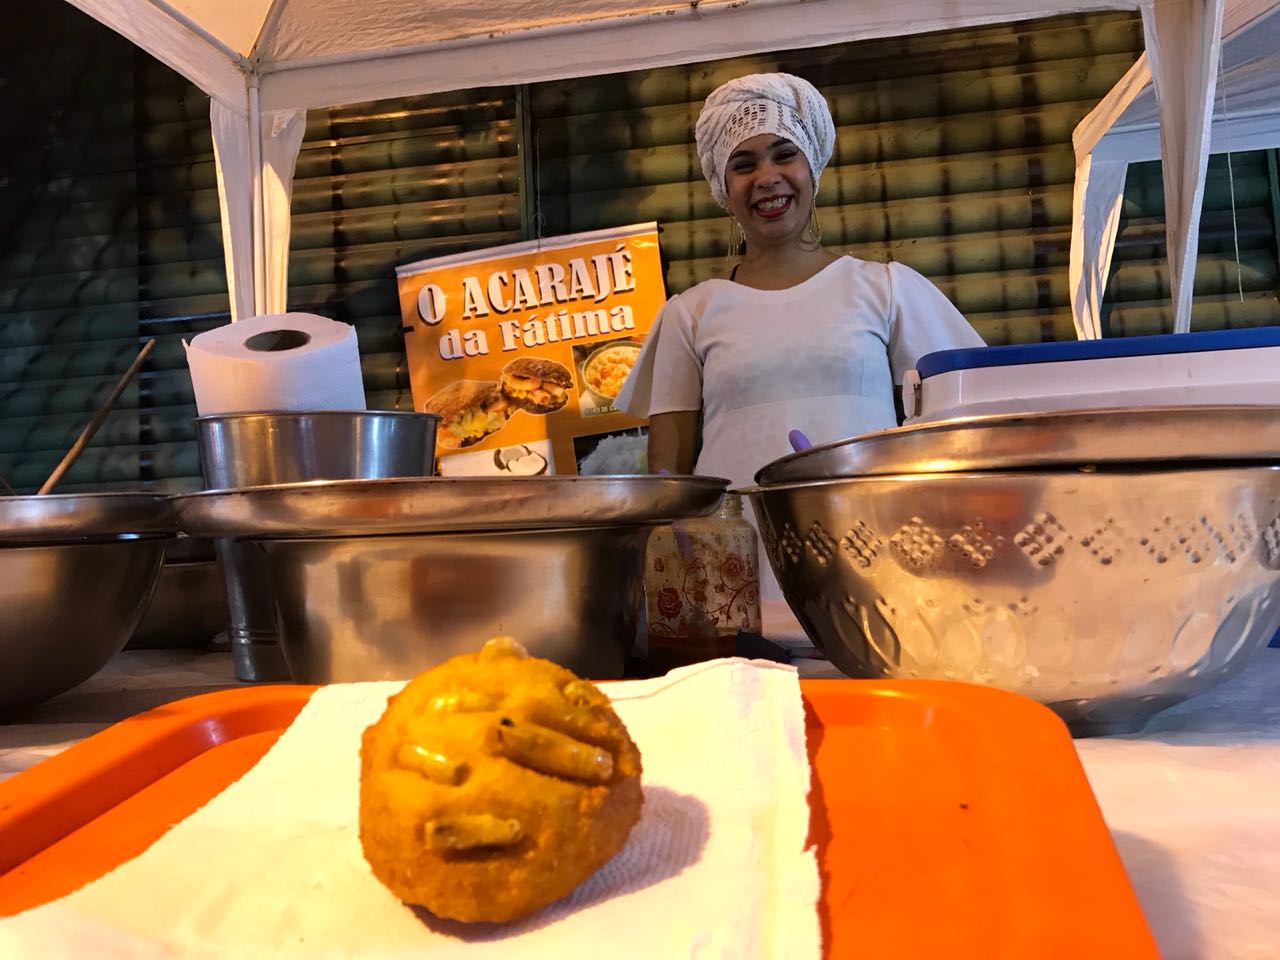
(1229, 292)
(109, 205)
(68, 260)
(182, 270)
(387, 183)
(953, 156)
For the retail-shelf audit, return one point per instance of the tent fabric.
(256, 57)
(1125, 124)
(255, 156)
(1182, 51)
(1125, 128)
(1100, 183)
(280, 138)
(271, 38)
(603, 37)
(232, 163)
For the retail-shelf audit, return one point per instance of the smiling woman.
(796, 337)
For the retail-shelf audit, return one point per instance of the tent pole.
(259, 224)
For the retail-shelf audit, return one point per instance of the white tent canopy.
(265, 62)
(1126, 128)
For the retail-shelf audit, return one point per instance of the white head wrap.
(776, 103)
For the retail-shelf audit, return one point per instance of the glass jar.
(702, 587)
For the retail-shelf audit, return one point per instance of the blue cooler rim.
(946, 361)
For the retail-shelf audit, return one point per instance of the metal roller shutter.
(953, 156)
(69, 271)
(108, 197)
(111, 235)
(386, 183)
(182, 273)
(1228, 292)
(376, 184)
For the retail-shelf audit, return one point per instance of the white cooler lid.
(1218, 367)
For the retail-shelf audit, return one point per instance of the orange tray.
(951, 820)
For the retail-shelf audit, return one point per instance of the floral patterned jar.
(701, 587)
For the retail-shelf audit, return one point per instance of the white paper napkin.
(272, 867)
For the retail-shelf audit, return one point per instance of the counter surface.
(1190, 800)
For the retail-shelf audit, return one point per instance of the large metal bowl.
(384, 608)
(76, 574)
(380, 579)
(1046, 440)
(65, 610)
(1107, 596)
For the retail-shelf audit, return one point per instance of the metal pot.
(259, 449)
(76, 574)
(380, 579)
(383, 608)
(256, 449)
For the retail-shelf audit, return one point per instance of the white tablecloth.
(1190, 801)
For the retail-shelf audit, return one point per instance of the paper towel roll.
(285, 361)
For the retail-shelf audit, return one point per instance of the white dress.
(822, 357)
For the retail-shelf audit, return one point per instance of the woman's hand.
(798, 441)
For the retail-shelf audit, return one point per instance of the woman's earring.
(736, 236)
(815, 231)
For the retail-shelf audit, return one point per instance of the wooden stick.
(86, 435)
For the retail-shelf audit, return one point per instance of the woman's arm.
(673, 441)
(922, 320)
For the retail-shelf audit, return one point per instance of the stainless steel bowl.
(352, 508)
(381, 579)
(76, 575)
(71, 517)
(1049, 440)
(66, 609)
(1107, 596)
(259, 449)
(383, 608)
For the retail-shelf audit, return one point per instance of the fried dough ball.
(494, 784)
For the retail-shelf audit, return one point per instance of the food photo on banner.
(521, 349)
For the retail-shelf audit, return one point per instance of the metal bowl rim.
(389, 484)
(105, 515)
(956, 476)
(427, 505)
(118, 495)
(1029, 418)
(88, 540)
(314, 414)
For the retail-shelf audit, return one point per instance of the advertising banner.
(521, 349)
